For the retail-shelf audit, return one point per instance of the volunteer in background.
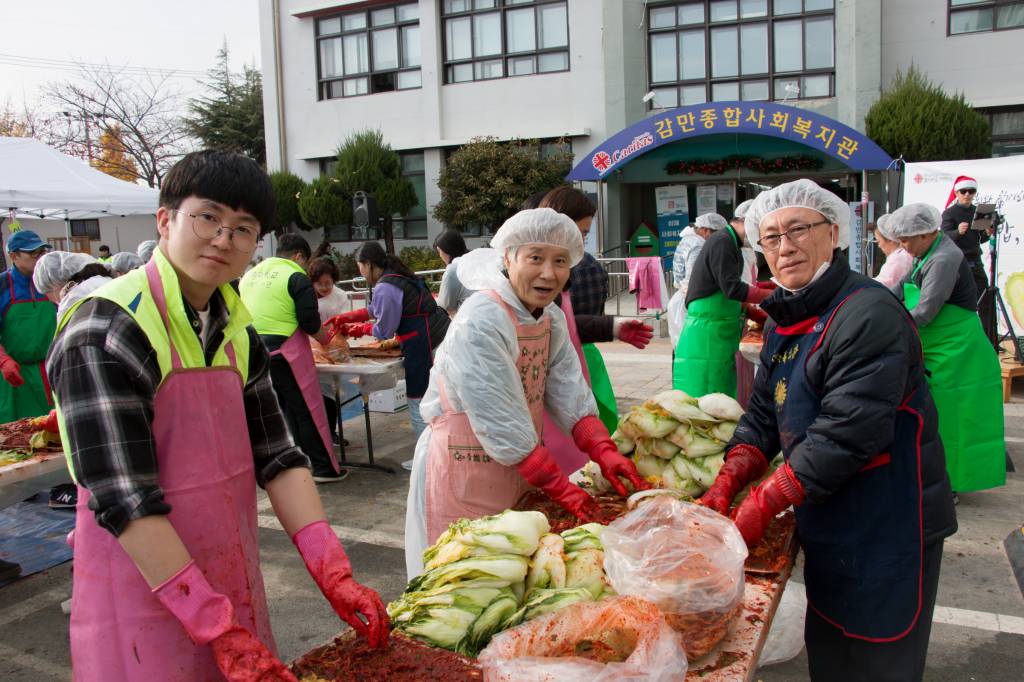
(705, 359)
(104, 256)
(898, 263)
(753, 312)
(280, 297)
(27, 322)
(450, 246)
(169, 422)
(331, 300)
(506, 359)
(67, 277)
(401, 305)
(123, 262)
(964, 371)
(146, 249)
(842, 392)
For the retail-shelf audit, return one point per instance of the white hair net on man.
(798, 194)
(882, 226)
(54, 269)
(539, 226)
(711, 221)
(912, 220)
(146, 249)
(125, 261)
(741, 211)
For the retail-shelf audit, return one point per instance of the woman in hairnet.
(66, 277)
(898, 263)
(842, 392)
(965, 378)
(124, 262)
(705, 359)
(506, 358)
(146, 249)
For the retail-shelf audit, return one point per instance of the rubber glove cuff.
(204, 613)
(323, 554)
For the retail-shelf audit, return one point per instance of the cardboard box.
(389, 400)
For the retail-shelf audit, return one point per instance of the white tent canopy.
(39, 182)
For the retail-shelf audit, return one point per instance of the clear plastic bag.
(676, 315)
(686, 559)
(614, 640)
(786, 635)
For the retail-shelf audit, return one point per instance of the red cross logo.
(601, 161)
(918, 178)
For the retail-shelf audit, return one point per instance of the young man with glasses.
(27, 322)
(705, 359)
(842, 391)
(170, 421)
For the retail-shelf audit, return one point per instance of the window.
(86, 228)
(485, 39)
(376, 50)
(1007, 125)
(414, 224)
(975, 16)
(718, 50)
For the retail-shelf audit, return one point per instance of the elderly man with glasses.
(842, 393)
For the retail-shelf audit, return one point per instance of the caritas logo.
(601, 161)
(918, 178)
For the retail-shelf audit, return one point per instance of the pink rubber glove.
(778, 492)
(591, 436)
(635, 333)
(541, 471)
(743, 464)
(11, 371)
(327, 562)
(209, 618)
(334, 324)
(356, 330)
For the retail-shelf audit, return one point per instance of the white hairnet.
(146, 249)
(125, 261)
(741, 211)
(712, 221)
(54, 269)
(798, 194)
(540, 226)
(882, 226)
(912, 220)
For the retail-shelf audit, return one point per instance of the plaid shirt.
(105, 374)
(588, 286)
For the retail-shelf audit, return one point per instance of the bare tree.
(26, 122)
(145, 110)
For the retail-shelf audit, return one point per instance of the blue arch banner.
(821, 133)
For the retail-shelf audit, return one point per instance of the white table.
(371, 374)
(37, 466)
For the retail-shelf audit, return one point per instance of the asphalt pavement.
(978, 631)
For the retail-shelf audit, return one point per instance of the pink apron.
(563, 448)
(299, 355)
(119, 630)
(462, 480)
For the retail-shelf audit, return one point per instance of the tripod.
(992, 292)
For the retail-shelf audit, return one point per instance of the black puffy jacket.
(868, 362)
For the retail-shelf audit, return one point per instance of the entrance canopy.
(818, 133)
(39, 182)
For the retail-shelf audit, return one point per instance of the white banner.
(1000, 182)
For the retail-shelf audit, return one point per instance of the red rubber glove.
(356, 330)
(768, 284)
(756, 294)
(591, 436)
(541, 471)
(334, 324)
(743, 464)
(209, 618)
(327, 562)
(11, 370)
(755, 313)
(778, 492)
(51, 422)
(635, 333)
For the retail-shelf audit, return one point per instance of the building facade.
(433, 74)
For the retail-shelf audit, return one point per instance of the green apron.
(601, 385)
(29, 325)
(966, 386)
(705, 360)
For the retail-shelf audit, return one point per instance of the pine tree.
(917, 119)
(232, 117)
(287, 187)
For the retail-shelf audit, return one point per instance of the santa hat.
(962, 182)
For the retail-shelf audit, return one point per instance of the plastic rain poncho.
(477, 362)
(912, 220)
(798, 194)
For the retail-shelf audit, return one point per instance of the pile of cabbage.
(489, 574)
(676, 441)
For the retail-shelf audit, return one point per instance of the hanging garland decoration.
(756, 164)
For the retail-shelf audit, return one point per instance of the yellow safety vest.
(264, 291)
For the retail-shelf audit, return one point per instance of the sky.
(43, 39)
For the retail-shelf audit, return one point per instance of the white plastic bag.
(676, 315)
(685, 558)
(786, 635)
(542, 650)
